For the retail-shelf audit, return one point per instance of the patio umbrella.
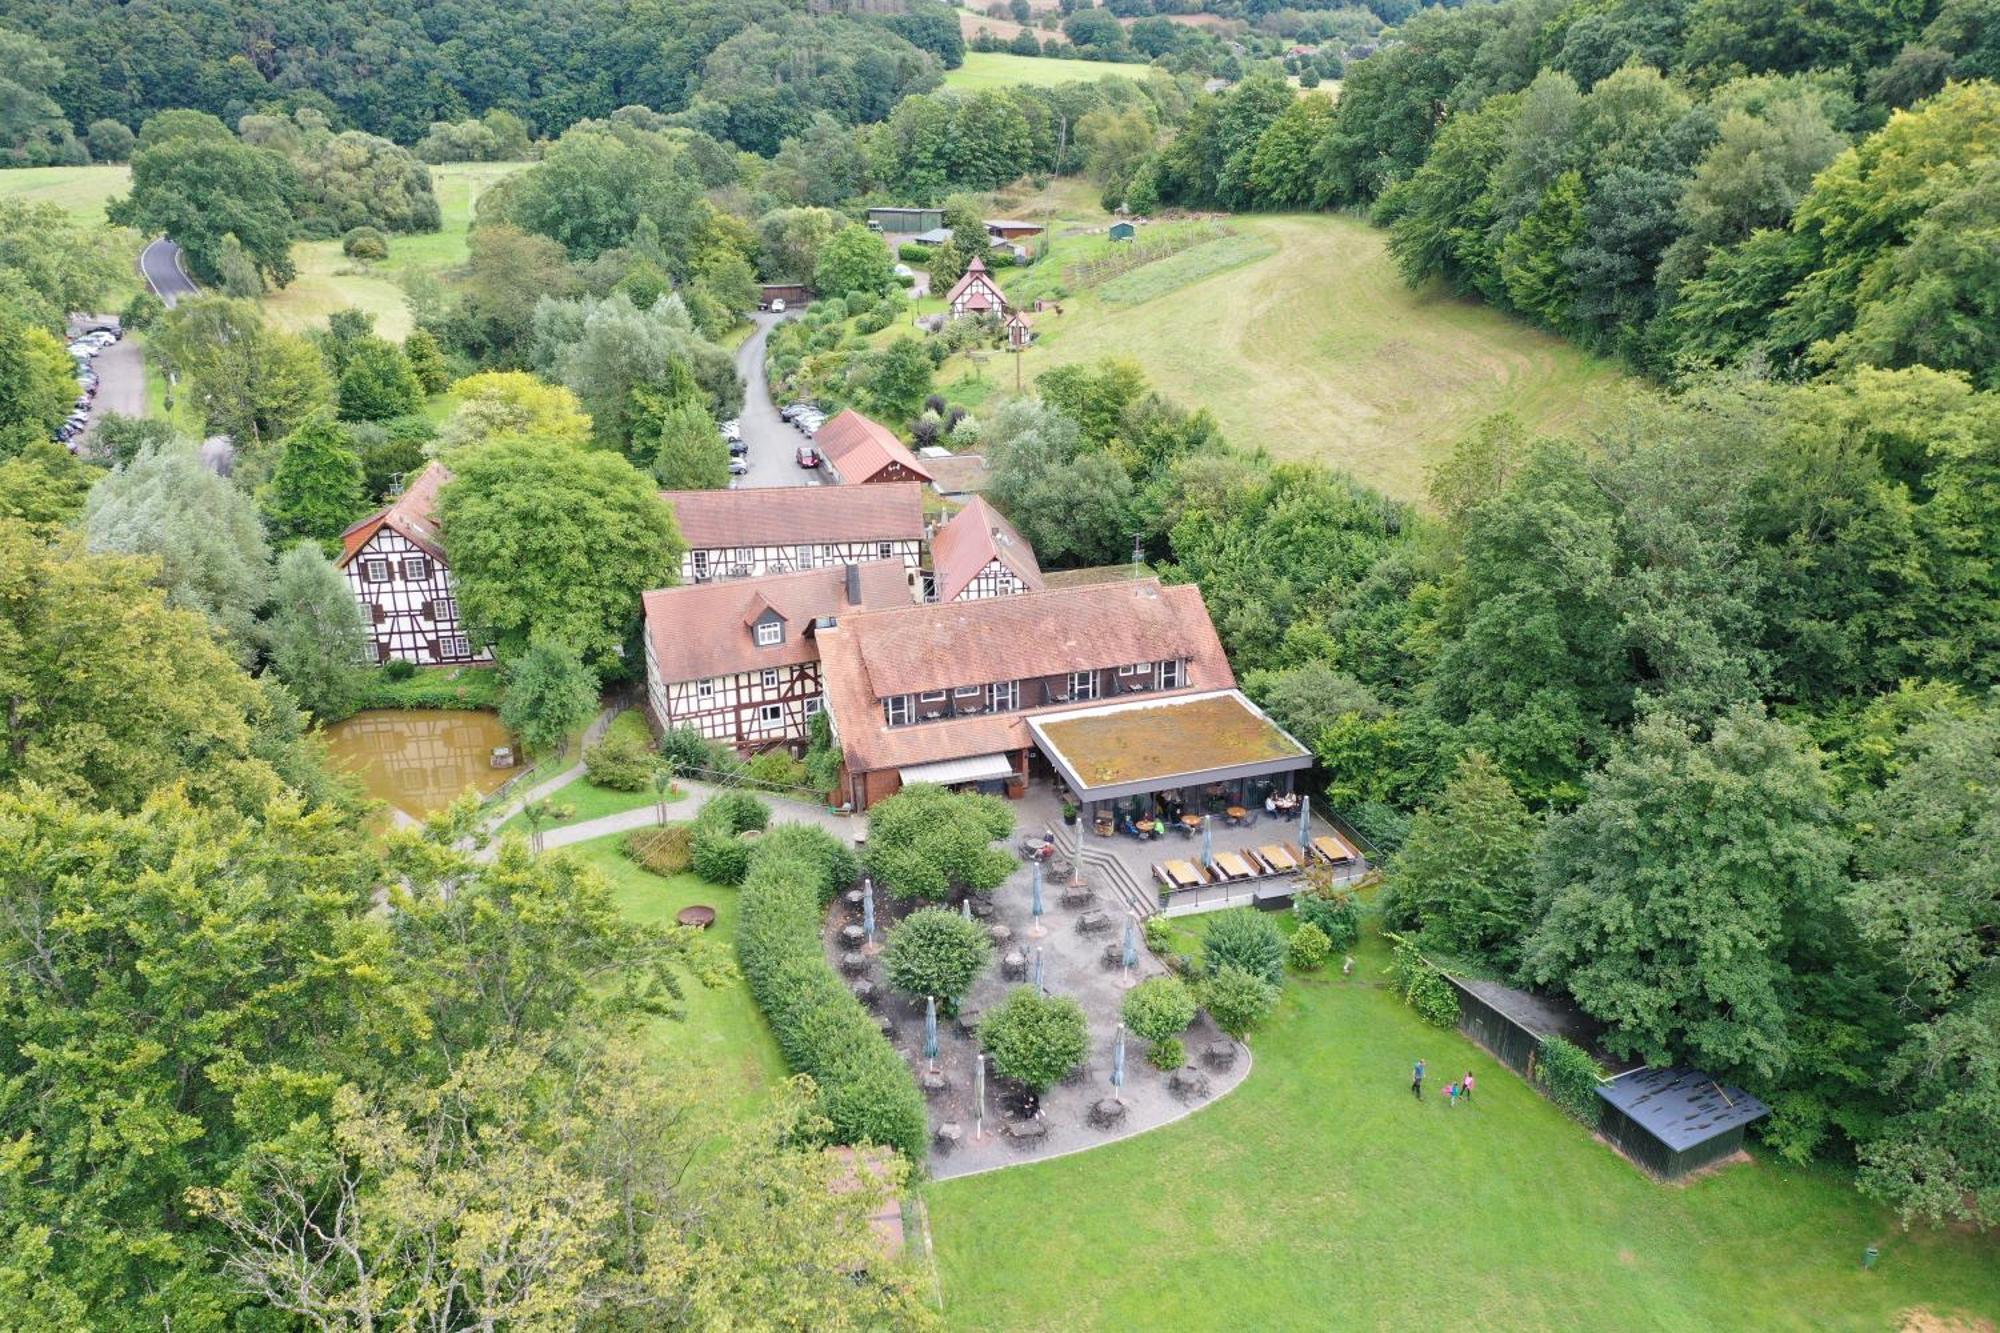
(868, 908)
(1118, 1059)
(979, 1096)
(967, 905)
(1207, 845)
(930, 1031)
(1035, 926)
(1131, 944)
(1305, 822)
(1038, 971)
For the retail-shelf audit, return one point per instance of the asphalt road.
(773, 455)
(121, 375)
(160, 264)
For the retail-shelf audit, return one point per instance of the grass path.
(1319, 351)
(1319, 1195)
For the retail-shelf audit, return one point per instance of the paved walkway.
(783, 811)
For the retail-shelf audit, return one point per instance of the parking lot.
(110, 376)
(771, 442)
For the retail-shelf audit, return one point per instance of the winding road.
(160, 264)
(773, 443)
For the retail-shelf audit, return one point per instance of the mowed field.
(1321, 1195)
(1307, 342)
(984, 70)
(82, 191)
(328, 280)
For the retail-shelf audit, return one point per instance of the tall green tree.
(691, 454)
(550, 693)
(316, 488)
(552, 541)
(1465, 874)
(246, 380)
(853, 259)
(314, 633)
(200, 190)
(377, 382)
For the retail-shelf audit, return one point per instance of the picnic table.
(1333, 849)
(1278, 856)
(1178, 874)
(1231, 866)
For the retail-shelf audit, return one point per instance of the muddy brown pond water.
(420, 759)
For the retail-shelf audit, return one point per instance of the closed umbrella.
(930, 1031)
(1118, 1059)
(1207, 845)
(979, 1097)
(1035, 927)
(868, 909)
(1305, 823)
(1038, 971)
(1131, 944)
(967, 905)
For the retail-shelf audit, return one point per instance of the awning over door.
(976, 768)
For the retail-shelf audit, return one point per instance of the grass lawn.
(985, 70)
(328, 280)
(723, 1033)
(82, 191)
(1319, 1195)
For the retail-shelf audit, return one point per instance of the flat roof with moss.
(1149, 744)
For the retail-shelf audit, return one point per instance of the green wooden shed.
(1123, 231)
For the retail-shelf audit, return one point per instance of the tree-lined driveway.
(773, 455)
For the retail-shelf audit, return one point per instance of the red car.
(808, 456)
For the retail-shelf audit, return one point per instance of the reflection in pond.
(420, 759)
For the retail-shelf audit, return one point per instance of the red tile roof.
(413, 513)
(976, 274)
(870, 657)
(976, 536)
(794, 515)
(704, 629)
(858, 448)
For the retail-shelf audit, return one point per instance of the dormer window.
(770, 632)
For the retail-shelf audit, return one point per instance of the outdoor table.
(1001, 934)
(1231, 865)
(967, 1020)
(1219, 1054)
(1187, 1081)
(1107, 1112)
(701, 918)
(933, 1083)
(1014, 966)
(1191, 821)
(949, 1135)
(1092, 923)
(864, 991)
(1333, 849)
(1278, 856)
(1235, 813)
(1183, 874)
(853, 936)
(1030, 1131)
(854, 963)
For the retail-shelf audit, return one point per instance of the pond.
(420, 759)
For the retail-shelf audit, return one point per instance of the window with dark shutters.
(416, 569)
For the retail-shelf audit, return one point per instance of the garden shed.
(1123, 231)
(1676, 1121)
(1511, 1022)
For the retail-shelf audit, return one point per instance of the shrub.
(1158, 1010)
(1247, 939)
(1309, 948)
(1336, 912)
(717, 851)
(912, 253)
(775, 768)
(621, 762)
(831, 861)
(1168, 1054)
(936, 951)
(735, 811)
(365, 243)
(1034, 1038)
(1159, 935)
(664, 851)
(142, 312)
(924, 841)
(1237, 1000)
(1570, 1077)
(863, 1087)
(398, 669)
(687, 750)
(1427, 992)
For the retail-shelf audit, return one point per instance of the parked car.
(732, 429)
(791, 410)
(738, 466)
(778, 306)
(738, 448)
(808, 456)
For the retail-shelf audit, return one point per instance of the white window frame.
(770, 633)
(454, 645)
(885, 550)
(1173, 674)
(1133, 669)
(898, 710)
(967, 691)
(770, 681)
(704, 689)
(815, 704)
(375, 569)
(1003, 696)
(771, 713)
(805, 557)
(1082, 684)
(700, 559)
(933, 696)
(421, 572)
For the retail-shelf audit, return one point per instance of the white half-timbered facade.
(976, 293)
(738, 660)
(395, 565)
(979, 554)
(786, 530)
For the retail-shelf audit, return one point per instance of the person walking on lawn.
(1465, 1088)
(1450, 1095)
(1417, 1082)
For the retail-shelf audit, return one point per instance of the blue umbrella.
(1131, 944)
(930, 1030)
(868, 908)
(1305, 822)
(1118, 1060)
(1207, 845)
(1038, 971)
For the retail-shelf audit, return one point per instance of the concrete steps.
(1106, 871)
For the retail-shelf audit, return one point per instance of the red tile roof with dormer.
(701, 630)
(413, 513)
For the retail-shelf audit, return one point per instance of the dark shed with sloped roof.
(1674, 1121)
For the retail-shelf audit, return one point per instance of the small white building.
(395, 564)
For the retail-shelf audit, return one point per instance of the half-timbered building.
(739, 660)
(395, 565)
(859, 451)
(785, 529)
(976, 293)
(944, 692)
(979, 554)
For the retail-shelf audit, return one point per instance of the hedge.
(1570, 1077)
(717, 850)
(865, 1088)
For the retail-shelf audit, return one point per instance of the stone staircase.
(1104, 871)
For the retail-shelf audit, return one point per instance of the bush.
(621, 762)
(775, 768)
(936, 951)
(1336, 913)
(1168, 1054)
(1570, 1077)
(863, 1087)
(1428, 993)
(1238, 1000)
(664, 851)
(110, 141)
(1158, 1010)
(687, 750)
(1034, 1038)
(832, 862)
(737, 812)
(1159, 935)
(912, 253)
(1309, 949)
(717, 851)
(141, 312)
(365, 243)
(398, 669)
(1246, 939)
(924, 842)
